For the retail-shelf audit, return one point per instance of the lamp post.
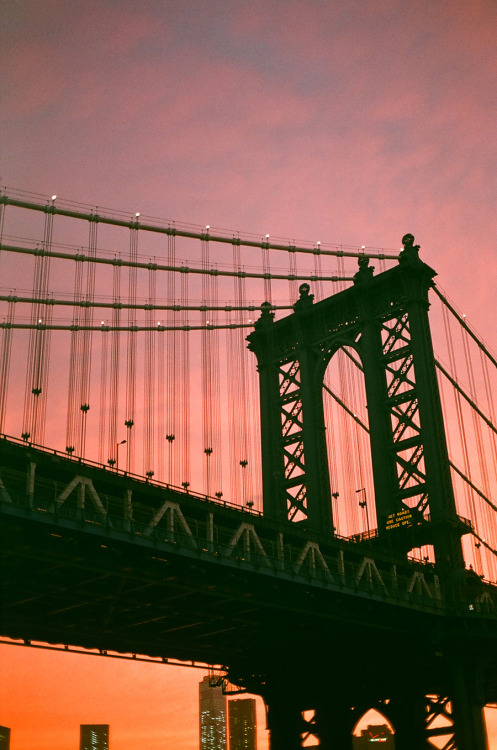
(117, 453)
(335, 496)
(363, 504)
(170, 439)
(208, 453)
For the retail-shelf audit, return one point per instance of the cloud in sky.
(348, 122)
(242, 109)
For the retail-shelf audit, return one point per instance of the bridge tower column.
(444, 519)
(408, 713)
(375, 383)
(295, 476)
(334, 724)
(409, 451)
(284, 722)
(467, 705)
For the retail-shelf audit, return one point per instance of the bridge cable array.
(166, 386)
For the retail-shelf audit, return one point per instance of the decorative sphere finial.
(410, 251)
(408, 240)
(306, 299)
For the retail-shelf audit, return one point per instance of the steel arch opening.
(348, 446)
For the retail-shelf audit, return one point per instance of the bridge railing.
(112, 471)
(337, 566)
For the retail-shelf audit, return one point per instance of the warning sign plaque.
(402, 518)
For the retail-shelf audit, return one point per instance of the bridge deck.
(102, 561)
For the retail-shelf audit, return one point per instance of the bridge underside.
(70, 586)
(77, 578)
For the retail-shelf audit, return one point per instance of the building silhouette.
(212, 717)
(94, 737)
(374, 736)
(242, 724)
(4, 738)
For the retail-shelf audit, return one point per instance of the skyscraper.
(212, 717)
(373, 734)
(94, 737)
(242, 724)
(4, 738)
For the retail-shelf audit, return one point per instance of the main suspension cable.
(91, 303)
(119, 261)
(465, 325)
(173, 230)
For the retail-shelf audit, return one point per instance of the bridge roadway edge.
(67, 578)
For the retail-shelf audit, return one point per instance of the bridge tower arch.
(349, 450)
(384, 318)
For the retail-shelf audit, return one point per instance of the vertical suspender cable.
(149, 378)
(483, 513)
(336, 484)
(347, 459)
(72, 444)
(103, 389)
(206, 373)
(87, 338)
(6, 342)
(233, 410)
(210, 380)
(114, 365)
(185, 389)
(468, 510)
(490, 408)
(318, 285)
(161, 403)
(292, 272)
(241, 411)
(168, 385)
(131, 351)
(341, 273)
(266, 270)
(216, 404)
(5, 363)
(493, 453)
(254, 488)
(363, 464)
(355, 447)
(35, 397)
(236, 453)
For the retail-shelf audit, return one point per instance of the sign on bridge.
(401, 518)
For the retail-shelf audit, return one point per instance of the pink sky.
(348, 121)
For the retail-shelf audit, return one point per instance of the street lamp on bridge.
(117, 453)
(363, 504)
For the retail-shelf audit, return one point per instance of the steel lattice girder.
(384, 319)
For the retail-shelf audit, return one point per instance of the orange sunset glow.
(345, 122)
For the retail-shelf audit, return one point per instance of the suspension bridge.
(349, 564)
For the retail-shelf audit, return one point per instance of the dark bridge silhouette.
(114, 563)
(310, 620)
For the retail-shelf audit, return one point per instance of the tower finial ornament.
(306, 299)
(410, 250)
(365, 272)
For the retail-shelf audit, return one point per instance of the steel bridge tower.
(384, 320)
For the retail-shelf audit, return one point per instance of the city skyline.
(242, 723)
(212, 716)
(94, 737)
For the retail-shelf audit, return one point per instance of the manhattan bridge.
(275, 458)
